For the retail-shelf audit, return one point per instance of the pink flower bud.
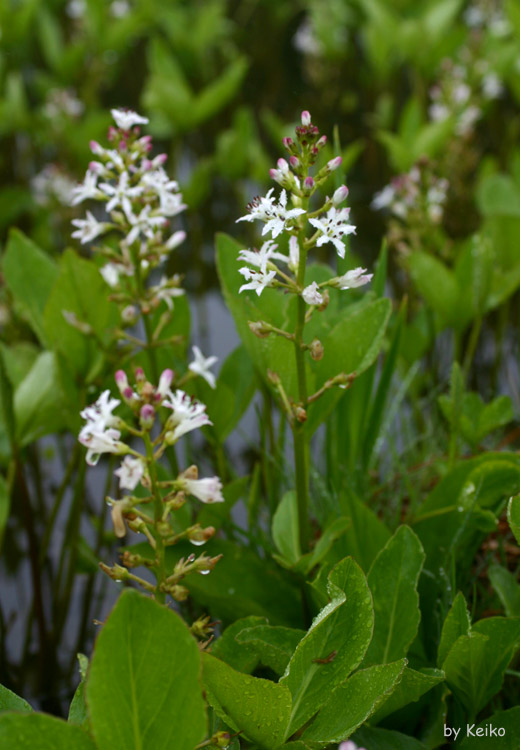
(121, 380)
(306, 117)
(322, 141)
(282, 165)
(334, 163)
(287, 142)
(146, 416)
(96, 148)
(273, 174)
(340, 195)
(308, 183)
(294, 161)
(139, 375)
(165, 382)
(128, 393)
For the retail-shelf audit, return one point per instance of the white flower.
(100, 412)
(187, 415)
(349, 745)
(352, 279)
(311, 294)
(89, 228)
(167, 290)
(258, 281)
(201, 365)
(384, 198)
(275, 216)
(492, 86)
(467, 120)
(126, 119)
(438, 112)
(143, 224)
(206, 490)
(130, 473)
(86, 189)
(159, 183)
(333, 228)
(121, 193)
(100, 441)
(119, 9)
(110, 273)
(260, 258)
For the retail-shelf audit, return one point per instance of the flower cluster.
(140, 200)
(462, 90)
(418, 193)
(160, 416)
(330, 223)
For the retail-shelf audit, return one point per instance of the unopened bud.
(116, 572)
(321, 142)
(140, 377)
(121, 381)
(294, 161)
(316, 349)
(288, 143)
(306, 117)
(197, 535)
(221, 739)
(147, 417)
(334, 163)
(300, 414)
(259, 328)
(308, 184)
(179, 593)
(165, 382)
(339, 195)
(129, 315)
(282, 165)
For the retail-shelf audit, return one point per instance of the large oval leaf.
(142, 689)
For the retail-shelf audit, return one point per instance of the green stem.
(158, 512)
(471, 347)
(300, 447)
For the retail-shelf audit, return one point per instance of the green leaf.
(354, 702)
(507, 587)
(513, 516)
(508, 720)
(498, 195)
(258, 708)
(7, 418)
(438, 285)
(29, 274)
(367, 535)
(285, 528)
(240, 655)
(9, 701)
(78, 707)
(37, 731)
(334, 531)
(457, 623)
(412, 685)
(38, 401)
(221, 91)
(351, 346)
(80, 289)
(273, 645)
(338, 636)
(142, 688)
(5, 504)
(236, 385)
(393, 582)
(476, 663)
(385, 739)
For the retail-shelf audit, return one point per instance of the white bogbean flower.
(333, 228)
(311, 294)
(201, 366)
(275, 215)
(127, 118)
